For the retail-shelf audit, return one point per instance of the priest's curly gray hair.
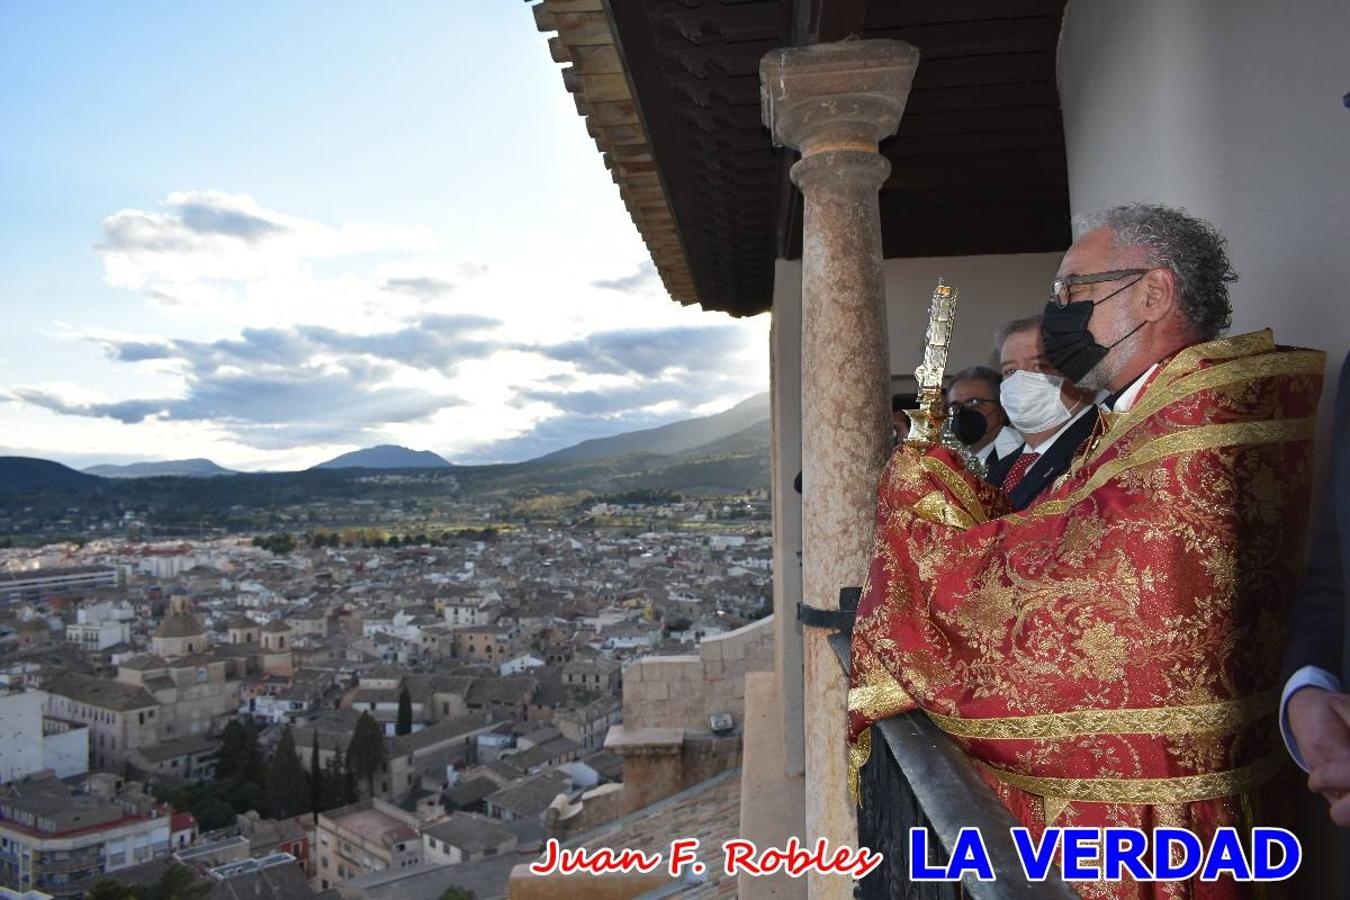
(1191, 248)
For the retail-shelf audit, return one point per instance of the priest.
(1110, 654)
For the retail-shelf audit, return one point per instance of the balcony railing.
(916, 777)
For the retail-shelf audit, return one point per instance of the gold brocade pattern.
(1224, 716)
(938, 509)
(1206, 437)
(1110, 655)
(859, 750)
(954, 483)
(1306, 363)
(879, 699)
(1180, 789)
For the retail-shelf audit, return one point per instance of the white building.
(31, 742)
(519, 665)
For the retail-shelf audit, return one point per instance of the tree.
(232, 741)
(287, 790)
(177, 883)
(107, 889)
(365, 752)
(404, 723)
(252, 767)
(316, 779)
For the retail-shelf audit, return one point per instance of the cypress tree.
(404, 723)
(316, 778)
(365, 752)
(287, 792)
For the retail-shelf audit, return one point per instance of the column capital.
(842, 96)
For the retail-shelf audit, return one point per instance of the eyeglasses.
(1059, 291)
(974, 403)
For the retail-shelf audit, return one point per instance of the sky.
(267, 234)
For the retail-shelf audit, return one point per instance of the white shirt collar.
(1049, 442)
(1007, 441)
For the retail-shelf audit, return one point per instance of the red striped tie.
(1019, 471)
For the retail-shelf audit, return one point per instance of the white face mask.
(1033, 402)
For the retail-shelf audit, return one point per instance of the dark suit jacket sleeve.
(1317, 613)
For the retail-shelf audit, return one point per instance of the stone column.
(834, 102)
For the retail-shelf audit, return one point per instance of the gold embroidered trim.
(1232, 347)
(879, 698)
(1222, 716)
(858, 753)
(1179, 789)
(1158, 396)
(936, 508)
(957, 485)
(1187, 440)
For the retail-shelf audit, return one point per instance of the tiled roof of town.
(194, 745)
(143, 662)
(501, 690)
(555, 749)
(449, 730)
(180, 624)
(276, 626)
(471, 834)
(609, 766)
(469, 792)
(101, 692)
(591, 666)
(531, 796)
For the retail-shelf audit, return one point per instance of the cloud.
(202, 236)
(644, 277)
(422, 288)
(275, 387)
(205, 218)
(649, 351)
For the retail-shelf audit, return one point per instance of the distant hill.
(675, 438)
(185, 468)
(386, 456)
(18, 473)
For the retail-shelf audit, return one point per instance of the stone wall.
(683, 691)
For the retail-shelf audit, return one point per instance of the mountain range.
(183, 468)
(727, 451)
(385, 456)
(677, 437)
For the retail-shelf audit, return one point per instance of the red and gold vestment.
(1109, 655)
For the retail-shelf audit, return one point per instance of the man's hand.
(1320, 722)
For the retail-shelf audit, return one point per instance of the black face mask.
(968, 425)
(1068, 344)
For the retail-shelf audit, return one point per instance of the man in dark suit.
(1053, 415)
(1315, 709)
(974, 391)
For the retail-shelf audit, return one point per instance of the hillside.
(386, 456)
(677, 437)
(185, 468)
(21, 473)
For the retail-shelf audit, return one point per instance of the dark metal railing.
(916, 777)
